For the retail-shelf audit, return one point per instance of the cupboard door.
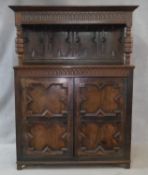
(100, 117)
(45, 118)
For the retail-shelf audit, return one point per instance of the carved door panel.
(101, 106)
(46, 117)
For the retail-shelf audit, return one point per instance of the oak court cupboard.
(73, 85)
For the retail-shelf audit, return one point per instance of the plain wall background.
(8, 59)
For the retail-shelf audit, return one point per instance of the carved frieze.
(74, 17)
(75, 71)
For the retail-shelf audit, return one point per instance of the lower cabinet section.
(75, 119)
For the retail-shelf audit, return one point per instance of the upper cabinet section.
(73, 43)
(74, 34)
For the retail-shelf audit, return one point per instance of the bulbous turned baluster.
(128, 45)
(19, 43)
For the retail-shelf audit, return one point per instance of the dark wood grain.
(100, 98)
(45, 117)
(73, 85)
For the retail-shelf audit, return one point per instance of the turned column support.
(19, 43)
(128, 45)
